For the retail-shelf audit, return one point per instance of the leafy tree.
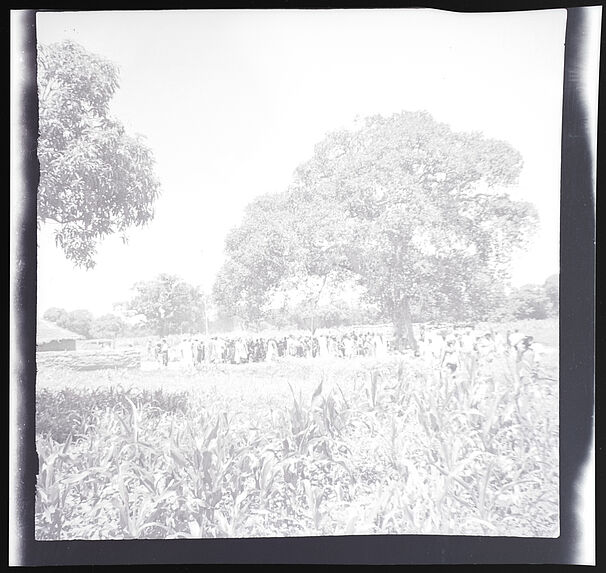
(417, 212)
(314, 302)
(79, 321)
(107, 326)
(56, 315)
(169, 303)
(529, 301)
(242, 283)
(285, 243)
(95, 179)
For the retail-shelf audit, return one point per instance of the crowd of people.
(450, 347)
(245, 349)
(455, 349)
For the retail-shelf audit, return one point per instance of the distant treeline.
(185, 314)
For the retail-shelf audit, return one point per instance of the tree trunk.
(403, 325)
(315, 305)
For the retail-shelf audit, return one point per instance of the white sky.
(232, 101)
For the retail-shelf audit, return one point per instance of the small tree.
(56, 315)
(529, 301)
(107, 326)
(79, 321)
(169, 304)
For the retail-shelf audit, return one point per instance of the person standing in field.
(272, 350)
(500, 342)
(315, 347)
(185, 349)
(213, 350)
(379, 345)
(200, 350)
(426, 349)
(322, 346)
(306, 346)
(348, 346)
(333, 350)
(234, 351)
(512, 340)
(468, 348)
(437, 347)
(525, 357)
(242, 351)
(450, 357)
(486, 346)
(164, 352)
(229, 353)
(262, 349)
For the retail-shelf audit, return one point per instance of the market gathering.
(449, 347)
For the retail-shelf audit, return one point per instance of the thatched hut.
(49, 336)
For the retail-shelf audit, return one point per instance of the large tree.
(420, 214)
(95, 179)
(170, 305)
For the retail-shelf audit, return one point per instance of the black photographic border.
(577, 353)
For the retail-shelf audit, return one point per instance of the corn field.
(298, 449)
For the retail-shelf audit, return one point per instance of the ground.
(301, 447)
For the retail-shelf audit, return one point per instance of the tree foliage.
(259, 263)
(79, 321)
(169, 303)
(95, 179)
(285, 243)
(56, 315)
(529, 301)
(107, 326)
(533, 301)
(418, 213)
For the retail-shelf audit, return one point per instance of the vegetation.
(83, 322)
(169, 304)
(186, 310)
(532, 301)
(79, 321)
(107, 326)
(347, 447)
(415, 213)
(95, 179)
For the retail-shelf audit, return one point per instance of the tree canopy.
(529, 301)
(419, 214)
(79, 320)
(279, 258)
(107, 326)
(95, 179)
(170, 304)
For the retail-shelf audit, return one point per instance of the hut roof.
(48, 332)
